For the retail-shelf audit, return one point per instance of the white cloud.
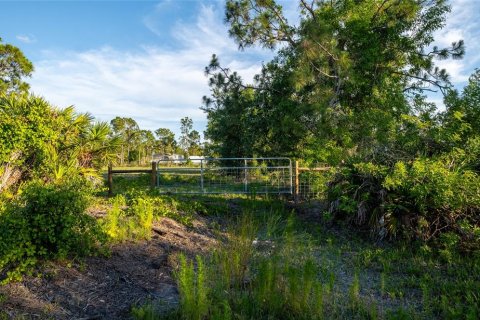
(26, 38)
(462, 23)
(153, 20)
(158, 86)
(458, 70)
(154, 85)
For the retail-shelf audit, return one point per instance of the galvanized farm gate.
(226, 175)
(232, 176)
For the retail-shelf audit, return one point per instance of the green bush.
(46, 222)
(129, 219)
(421, 199)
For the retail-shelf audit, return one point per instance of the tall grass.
(263, 271)
(273, 266)
(193, 289)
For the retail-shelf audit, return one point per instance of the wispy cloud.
(462, 23)
(153, 19)
(26, 38)
(158, 85)
(154, 85)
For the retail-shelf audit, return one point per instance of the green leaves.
(38, 140)
(259, 21)
(46, 222)
(13, 67)
(343, 78)
(419, 199)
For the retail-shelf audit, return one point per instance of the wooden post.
(153, 175)
(297, 182)
(110, 180)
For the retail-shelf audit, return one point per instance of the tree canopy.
(13, 67)
(341, 79)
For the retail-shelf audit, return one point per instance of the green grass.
(276, 266)
(133, 222)
(177, 182)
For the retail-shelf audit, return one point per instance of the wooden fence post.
(110, 180)
(297, 182)
(153, 175)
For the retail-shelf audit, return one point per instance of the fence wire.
(312, 184)
(226, 175)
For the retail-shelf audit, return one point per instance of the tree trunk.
(10, 174)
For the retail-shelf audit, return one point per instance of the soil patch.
(108, 287)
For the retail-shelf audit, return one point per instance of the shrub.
(46, 222)
(421, 199)
(129, 219)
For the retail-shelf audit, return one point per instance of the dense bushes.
(46, 222)
(419, 199)
(424, 182)
(40, 141)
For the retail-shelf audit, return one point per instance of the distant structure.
(176, 158)
(196, 159)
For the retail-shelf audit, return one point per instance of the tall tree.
(351, 70)
(228, 110)
(194, 147)
(166, 140)
(186, 126)
(468, 103)
(145, 145)
(128, 130)
(13, 67)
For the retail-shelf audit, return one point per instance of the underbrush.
(46, 221)
(429, 286)
(132, 222)
(131, 215)
(266, 270)
(430, 200)
(274, 266)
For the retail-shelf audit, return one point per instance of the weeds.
(145, 312)
(265, 270)
(193, 289)
(129, 223)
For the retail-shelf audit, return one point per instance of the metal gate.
(225, 175)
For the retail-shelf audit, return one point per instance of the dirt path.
(108, 287)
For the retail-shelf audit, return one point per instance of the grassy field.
(245, 257)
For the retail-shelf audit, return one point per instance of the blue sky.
(145, 59)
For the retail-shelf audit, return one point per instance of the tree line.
(40, 141)
(139, 145)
